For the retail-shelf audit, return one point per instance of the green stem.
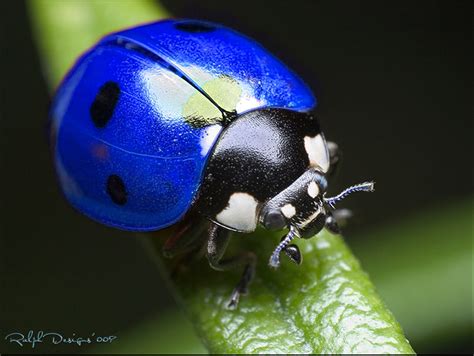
(326, 305)
(64, 29)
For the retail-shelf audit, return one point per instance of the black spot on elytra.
(104, 104)
(194, 26)
(116, 189)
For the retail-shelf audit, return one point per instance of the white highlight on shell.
(248, 100)
(240, 212)
(208, 137)
(288, 210)
(166, 92)
(313, 189)
(199, 75)
(317, 151)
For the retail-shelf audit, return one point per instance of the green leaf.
(326, 305)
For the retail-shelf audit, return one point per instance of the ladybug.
(189, 121)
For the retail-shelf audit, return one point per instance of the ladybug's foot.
(242, 287)
(234, 300)
(336, 219)
(293, 253)
(217, 244)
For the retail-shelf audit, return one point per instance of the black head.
(304, 209)
(300, 205)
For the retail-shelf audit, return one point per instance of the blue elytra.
(135, 120)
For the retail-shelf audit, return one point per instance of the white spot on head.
(313, 189)
(317, 151)
(288, 210)
(240, 212)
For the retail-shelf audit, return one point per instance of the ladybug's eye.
(274, 220)
(321, 181)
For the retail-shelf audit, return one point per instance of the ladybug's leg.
(293, 252)
(188, 236)
(336, 219)
(216, 246)
(342, 216)
(331, 224)
(335, 157)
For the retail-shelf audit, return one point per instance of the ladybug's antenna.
(363, 187)
(275, 258)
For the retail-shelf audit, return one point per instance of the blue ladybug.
(191, 122)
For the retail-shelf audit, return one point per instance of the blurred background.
(393, 80)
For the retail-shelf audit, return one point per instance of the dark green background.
(392, 79)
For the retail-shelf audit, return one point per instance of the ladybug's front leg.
(216, 246)
(335, 158)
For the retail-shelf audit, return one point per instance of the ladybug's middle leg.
(339, 217)
(216, 247)
(188, 236)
